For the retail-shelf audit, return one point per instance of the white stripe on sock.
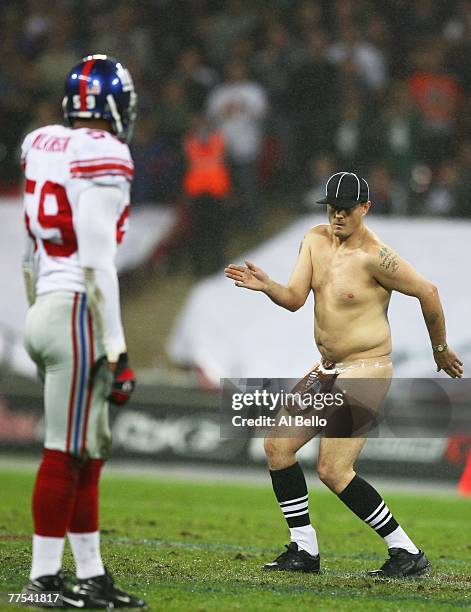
(368, 518)
(290, 514)
(295, 507)
(292, 501)
(386, 520)
(379, 518)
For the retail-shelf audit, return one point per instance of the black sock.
(365, 501)
(290, 489)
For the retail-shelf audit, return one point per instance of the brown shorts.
(349, 406)
(319, 380)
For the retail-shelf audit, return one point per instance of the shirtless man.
(352, 274)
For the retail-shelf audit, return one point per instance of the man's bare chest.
(342, 279)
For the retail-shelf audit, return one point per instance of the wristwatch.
(439, 348)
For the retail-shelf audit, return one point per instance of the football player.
(76, 205)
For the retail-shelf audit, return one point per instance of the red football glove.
(124, 381)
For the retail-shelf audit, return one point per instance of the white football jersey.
(59, 163)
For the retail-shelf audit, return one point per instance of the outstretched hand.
(248, 276)
(449, 362)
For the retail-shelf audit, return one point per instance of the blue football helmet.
(99, 87)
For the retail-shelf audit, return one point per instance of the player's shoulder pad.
(98, 156)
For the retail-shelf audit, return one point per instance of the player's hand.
(248, 276)
(449, 362)
(124, 381)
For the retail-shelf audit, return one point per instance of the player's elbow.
(428, 291)
(296, 301)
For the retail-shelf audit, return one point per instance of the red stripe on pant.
(90, 382)
(74, 375)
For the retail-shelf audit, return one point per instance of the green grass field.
(200, 546)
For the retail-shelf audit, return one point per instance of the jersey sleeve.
(99, 157)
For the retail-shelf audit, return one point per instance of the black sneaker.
(403, 564)
(46, 588)
(295, 559)
(103, 586)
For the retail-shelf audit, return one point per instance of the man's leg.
(50, 327)
(54, 341)
(53, 502)
(289, 485)
(337, 457)
(93, 443)
(83, 534)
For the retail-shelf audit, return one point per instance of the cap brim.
(338, 203)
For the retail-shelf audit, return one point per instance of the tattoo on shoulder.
(388, 260)
(301, 245)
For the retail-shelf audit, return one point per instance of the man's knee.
(333, 475)
(279, 453)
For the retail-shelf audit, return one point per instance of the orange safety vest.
(207, 172)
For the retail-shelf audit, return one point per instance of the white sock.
(306, 538)
(86, 551)
(47, 556)
(399, 539)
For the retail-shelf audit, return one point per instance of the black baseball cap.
(345, 190)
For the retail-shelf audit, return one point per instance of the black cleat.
(103, 587)
(403, 564)
(53, 592)
(295, 559)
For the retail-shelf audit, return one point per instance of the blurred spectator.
(437, 96)
(206, 187)
(196, 77)
(132, 45)
(457, 32)
(395, 134)
(309, 102)
(350, 130)
(59, 56)
(387, 195)
(321, 168)
(445, 193)
(308, 17)
(368, 59)
(423, 18)
(158, 166)
(173, 111)
(272, 64)
(234, 21)
(35, 27)
(238, 108)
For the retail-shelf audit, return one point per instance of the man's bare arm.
(396, 274)
(291, 296)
